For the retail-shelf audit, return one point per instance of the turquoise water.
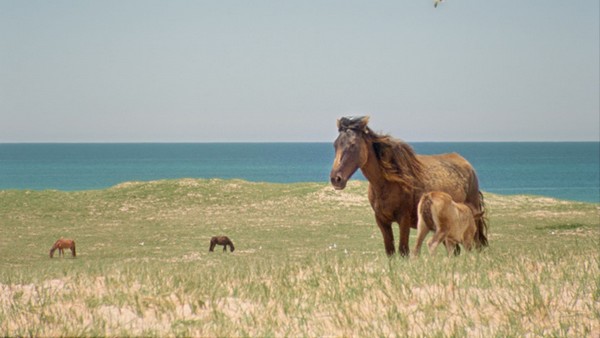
(567, 170)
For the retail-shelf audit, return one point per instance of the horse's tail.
(73, 249)
(425, 213)
(481, 222)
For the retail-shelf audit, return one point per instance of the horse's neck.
(374, 174)
(372, 170)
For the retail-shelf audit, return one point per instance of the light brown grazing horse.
(453, 223)
(398, 177)
(221, 240)
(61, 245)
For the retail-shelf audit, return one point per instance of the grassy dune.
(308, 261)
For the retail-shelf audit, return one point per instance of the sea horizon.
(262, 142)
(560, 169)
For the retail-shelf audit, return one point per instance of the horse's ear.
(363, 124)
(339, 124)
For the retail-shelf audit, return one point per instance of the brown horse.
(398, 177)
(453, 223)
(221, 240)
(61, 245)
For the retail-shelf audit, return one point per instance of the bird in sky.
(437, 2)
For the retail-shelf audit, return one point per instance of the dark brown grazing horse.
(398, 177)
(221, 240)
(61, 245)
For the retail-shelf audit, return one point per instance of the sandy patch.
(542, 214)
(342, 197)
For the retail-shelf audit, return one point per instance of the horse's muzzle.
(338, 181)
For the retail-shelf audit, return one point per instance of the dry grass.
(309, 261)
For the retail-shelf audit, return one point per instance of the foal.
(221, 240)
(61, 245)
(453, 223)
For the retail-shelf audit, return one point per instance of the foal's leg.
(451, 247)
(435, 241)
(469, 237)
(423, 230)
(224, 247)
(457, 250)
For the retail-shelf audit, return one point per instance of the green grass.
(309, 261)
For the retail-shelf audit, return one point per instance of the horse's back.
(67, 243)
(220, 240)
(64, 243)
(449, 173)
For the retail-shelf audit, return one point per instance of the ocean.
(565, 170)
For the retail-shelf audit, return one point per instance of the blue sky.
(214, 71)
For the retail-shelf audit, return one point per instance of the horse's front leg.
(388, 236)
(404, 224)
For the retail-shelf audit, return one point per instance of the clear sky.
(213, 71)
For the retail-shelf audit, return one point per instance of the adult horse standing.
(398, 177)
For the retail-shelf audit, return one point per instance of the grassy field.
(309, 261)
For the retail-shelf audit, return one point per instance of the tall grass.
(309, 261)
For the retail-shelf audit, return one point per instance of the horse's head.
(350, 149)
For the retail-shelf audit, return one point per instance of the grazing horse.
(398, 177)
(221, 240)
(453, 223)
(61, 245)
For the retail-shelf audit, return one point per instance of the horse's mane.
(397, 159)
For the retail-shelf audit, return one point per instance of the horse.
(221, 240)
(398, 177)
(453, 223)
(61, 245)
